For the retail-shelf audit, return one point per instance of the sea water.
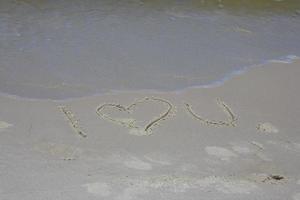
(53, 49)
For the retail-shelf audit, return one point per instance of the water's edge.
(284, 59)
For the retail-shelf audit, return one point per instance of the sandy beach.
(240, 140)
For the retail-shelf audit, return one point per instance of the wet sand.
(240, 140)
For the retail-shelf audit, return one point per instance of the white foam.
(286, 60)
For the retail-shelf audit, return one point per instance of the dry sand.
(240, 140)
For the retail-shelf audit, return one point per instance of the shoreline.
(217, 83)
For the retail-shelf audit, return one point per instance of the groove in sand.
(74, 123)
(131, 123)
(230, 122)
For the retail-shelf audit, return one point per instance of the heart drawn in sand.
(135, 129)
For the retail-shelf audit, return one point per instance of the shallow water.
(63, 49)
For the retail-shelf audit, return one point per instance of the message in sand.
(231, 121)
(73, 121)
(130, 123)
(167, 111)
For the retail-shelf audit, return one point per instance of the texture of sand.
(240, 140)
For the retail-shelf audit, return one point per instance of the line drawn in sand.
(73, 121)
(231, 121)
(131, 123)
